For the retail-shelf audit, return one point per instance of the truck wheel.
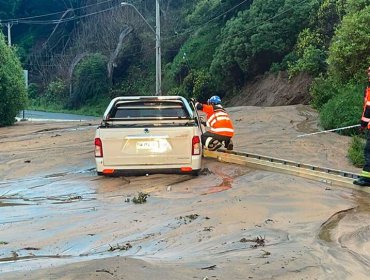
(195, 172)
(100, 173)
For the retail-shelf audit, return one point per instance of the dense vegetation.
(208, 46)
(13, 95)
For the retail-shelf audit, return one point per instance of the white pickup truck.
(149, 134)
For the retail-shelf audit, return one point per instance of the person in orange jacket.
(219, 126)
(364, 179)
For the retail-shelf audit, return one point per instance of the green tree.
(350, 53)
(91, 78)
(258, 37)
(13, 95)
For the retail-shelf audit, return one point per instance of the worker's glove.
(361, 129)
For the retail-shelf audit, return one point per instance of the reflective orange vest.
(208, 109)
(218, 121)
(365, 120)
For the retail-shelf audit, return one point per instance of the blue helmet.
(214, 100)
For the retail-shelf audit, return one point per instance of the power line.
(58, 21)
(55, 13)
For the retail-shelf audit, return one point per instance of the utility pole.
(158, 50)
(157, 32)
(9, 25)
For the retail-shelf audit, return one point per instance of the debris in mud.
(127, 199)
(265, 254)
(76, 197)
(104, 270)
(124, 247)
(192, 216)
(208, 228)
(3, 243)
(269, 221)
(56, 135)
(141, 198)
(211, 267)
(27, 161)
(31, 249)
(205, 171)
(14, 255)
(189, 218)
(259, 240)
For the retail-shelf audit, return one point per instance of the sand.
(58, 220)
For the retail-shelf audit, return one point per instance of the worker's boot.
(214, 145)
(230, 146)
(362, 181)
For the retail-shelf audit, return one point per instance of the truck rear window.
(149, 110)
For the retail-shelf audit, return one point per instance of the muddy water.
(214, 219)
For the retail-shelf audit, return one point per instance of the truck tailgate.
(149, 146)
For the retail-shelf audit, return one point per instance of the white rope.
(330, 130)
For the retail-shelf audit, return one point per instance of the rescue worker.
(219, 126)
(364, 179)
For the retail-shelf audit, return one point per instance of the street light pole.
(157, 32)
(158, 71)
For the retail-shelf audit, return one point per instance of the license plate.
(146, 145)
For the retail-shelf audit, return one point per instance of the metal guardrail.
(345, 174)
(328, 176)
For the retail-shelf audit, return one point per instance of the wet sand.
(58, 220)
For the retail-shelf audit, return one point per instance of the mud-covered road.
(58, 220)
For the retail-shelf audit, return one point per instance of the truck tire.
(195, 172)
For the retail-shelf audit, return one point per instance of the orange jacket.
(365, 119)
(218, 120)
(208, 109)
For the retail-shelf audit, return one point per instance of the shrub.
(344, 109)
(356, 151)
(322, 90)
(33, 91)
(91, 80)
(13, 94)
(312, 61)
(56, 92)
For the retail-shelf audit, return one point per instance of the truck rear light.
(186, 169)
(108, 171)
(98, 148)
(196, 146)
